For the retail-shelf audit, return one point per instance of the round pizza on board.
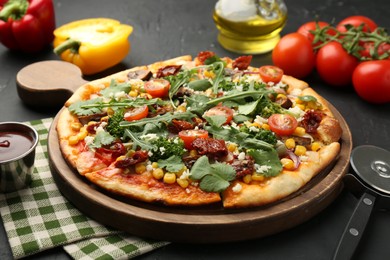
(190, 132)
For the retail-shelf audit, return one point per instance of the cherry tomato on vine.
(334, 65)
(312, 26)
(282, 124)
(368, 47)
(294, 55)
(188, 136)
(157, 87)
(371, 80)
(356, 21)
(270, 73)
(221, 111)
(136, 113)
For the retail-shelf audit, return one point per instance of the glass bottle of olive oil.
(249, 26)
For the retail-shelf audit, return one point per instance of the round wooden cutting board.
(211, 224)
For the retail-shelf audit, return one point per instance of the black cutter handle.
(355, 228)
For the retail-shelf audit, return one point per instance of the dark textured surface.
(168, 28)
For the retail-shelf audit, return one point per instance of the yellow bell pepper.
(93, 44)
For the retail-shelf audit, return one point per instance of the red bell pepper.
(26, 25)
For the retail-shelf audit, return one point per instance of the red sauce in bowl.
(14, 144)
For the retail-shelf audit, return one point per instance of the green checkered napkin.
(39, 217)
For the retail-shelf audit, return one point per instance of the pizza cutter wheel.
(371, 166)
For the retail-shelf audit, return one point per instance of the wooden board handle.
(48, 83)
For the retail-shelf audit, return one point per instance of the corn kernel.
(73, 140)
(300, 150)
(76, 126)
(135, 87)
(290, 143)
(122, 157)
(193, 153)
(247, 178)
(288, 164)
(158, 173)
(265, 126)
(209, 74)
(145, 95)
(82, 135)
(181, 109)
(133, 93)
(169, 178)
(110, 111)
(301, 106)
(255, 124)
(257, 177)
(299, 131)
(299, 101)
(281, 96)
(91, 122)
(154, 165)
(140, 168)
(311, 105)
(183, 183)
(232, 147)
(315, 146)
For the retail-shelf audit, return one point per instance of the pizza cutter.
(371, 167)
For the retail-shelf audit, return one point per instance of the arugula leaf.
(216, 121)
(94, 106)
(218, 68)
(115, 87)
(197, 104)
(172, 164)
(248, 108)
(102, 138)
(138, 142)
(200, 84)
(78, 108)
(267, 158)
(163, 118)
(212, 177)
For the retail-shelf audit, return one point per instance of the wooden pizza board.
(211, 224)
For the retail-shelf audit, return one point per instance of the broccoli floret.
(261, 134)
(266, 107)
(166, 148)
(113, 124)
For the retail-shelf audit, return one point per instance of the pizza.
(205, 131)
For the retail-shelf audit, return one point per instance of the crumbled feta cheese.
(297, 112)
(149, 167)
(185, 175)
(188, 190)
(241, 156)
(260, 120)
(119, 95)
(149, 137)
(237, 188)
(262, 168)
(162, 150)
(150, 153)
(304, 158)
(88, 140)
(239, 87)
(254, 129)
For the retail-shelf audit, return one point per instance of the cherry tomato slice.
(270, 73)
(221, 111)
(136, 113)
(188, 136)
(282, 124)
(157, 87)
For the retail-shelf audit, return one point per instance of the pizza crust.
(280, 186)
